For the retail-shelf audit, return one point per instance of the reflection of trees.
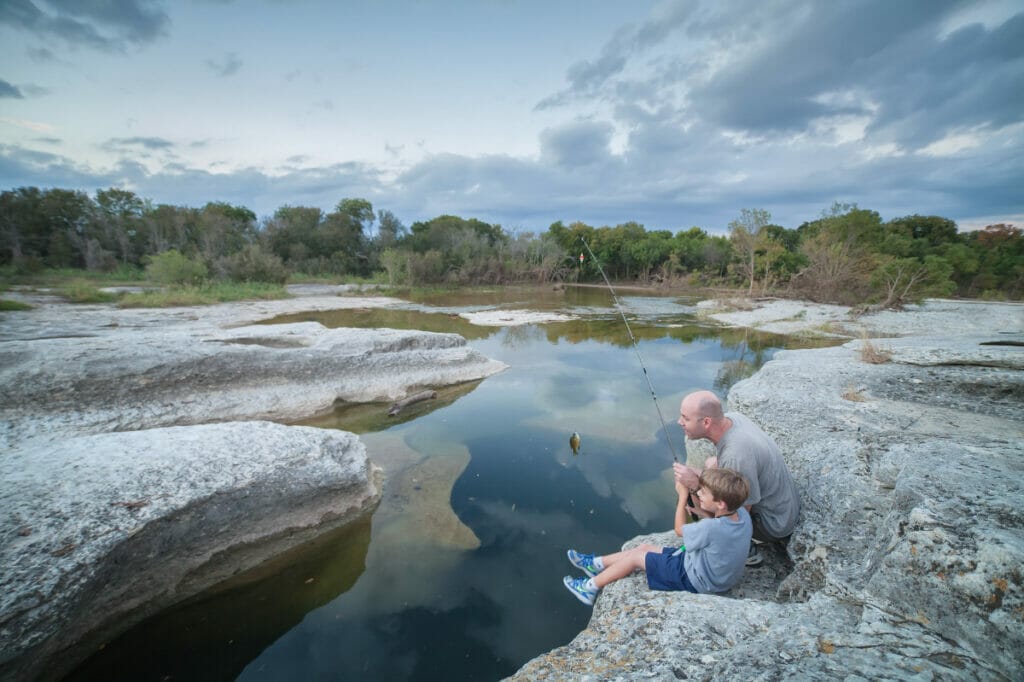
(731, 372)
(521, 335)
(747, 352)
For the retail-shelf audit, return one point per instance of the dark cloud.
(229, 66)
(8, 91)
(886, 61)
(110, 25)
(128, 143)
(587, 77)
(41, 55)
(577, 144)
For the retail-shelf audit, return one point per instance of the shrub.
(252, 264)
(8, 305)
(173, 267)
(873, 354)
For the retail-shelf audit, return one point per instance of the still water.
(457, 575)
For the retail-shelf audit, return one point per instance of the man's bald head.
(704, 404)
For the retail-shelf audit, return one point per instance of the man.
(741, 445)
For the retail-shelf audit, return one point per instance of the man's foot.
(578, 586)
(584, 562)
(754, 556)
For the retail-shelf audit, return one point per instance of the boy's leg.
(621, 564)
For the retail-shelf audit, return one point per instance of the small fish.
(574, 443)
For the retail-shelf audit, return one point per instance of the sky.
(524, 112)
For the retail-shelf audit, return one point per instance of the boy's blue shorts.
(665, 571)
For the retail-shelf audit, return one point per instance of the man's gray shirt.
(752, 452)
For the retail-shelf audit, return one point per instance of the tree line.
(847, 255)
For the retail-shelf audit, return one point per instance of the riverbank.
(130, 445)
(906, 561)
(144, 459)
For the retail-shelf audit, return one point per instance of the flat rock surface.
(907, 561)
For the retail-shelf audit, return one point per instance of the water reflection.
(483, 495)
(216, 635)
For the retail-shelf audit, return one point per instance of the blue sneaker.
(584, 562)
(578, 587)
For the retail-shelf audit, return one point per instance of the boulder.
(100, 531)
(144, 378)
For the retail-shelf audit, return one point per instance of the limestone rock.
(135, 379)
(100, 531)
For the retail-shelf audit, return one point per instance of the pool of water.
(457, 575)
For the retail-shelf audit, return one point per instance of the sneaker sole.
(566, 581)
(754, 563)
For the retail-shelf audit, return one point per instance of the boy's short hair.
(726, 485)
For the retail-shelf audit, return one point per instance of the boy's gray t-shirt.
(750, 451)
(716, 551)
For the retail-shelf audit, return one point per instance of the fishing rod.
(636, 348)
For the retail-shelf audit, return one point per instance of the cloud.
(228, 67)
(127, 143)
(111, 25)
(890, 63)
(41, 55)
(586, 77)
(8, 91)
(577, 144)
(795, 182)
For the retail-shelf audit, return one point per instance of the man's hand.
(686, 475)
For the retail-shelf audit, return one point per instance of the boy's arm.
(684, 493)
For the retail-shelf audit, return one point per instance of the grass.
(854, 394)
(57, 277)
(206, 294)
(870, 353)
(82, 291)
(6, 305)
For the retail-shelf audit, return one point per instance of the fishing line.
(636, 348)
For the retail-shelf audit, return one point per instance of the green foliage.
(8, 305)
(81, 291)
(846, 255)
(900, 281)
(252, 264)
(172, 267)
(207, 294)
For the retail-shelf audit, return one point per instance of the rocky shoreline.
(907, 562)
(133, 474)
(140, 467)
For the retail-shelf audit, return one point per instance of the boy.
(711, 559)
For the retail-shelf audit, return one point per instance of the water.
(457, 575)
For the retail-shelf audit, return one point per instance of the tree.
(223, 229)
(746, 235)
(359, 210)
(389, 229)
(289, 232)
(120, 219)
(908, 280)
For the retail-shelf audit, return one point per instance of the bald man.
(741, 445)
